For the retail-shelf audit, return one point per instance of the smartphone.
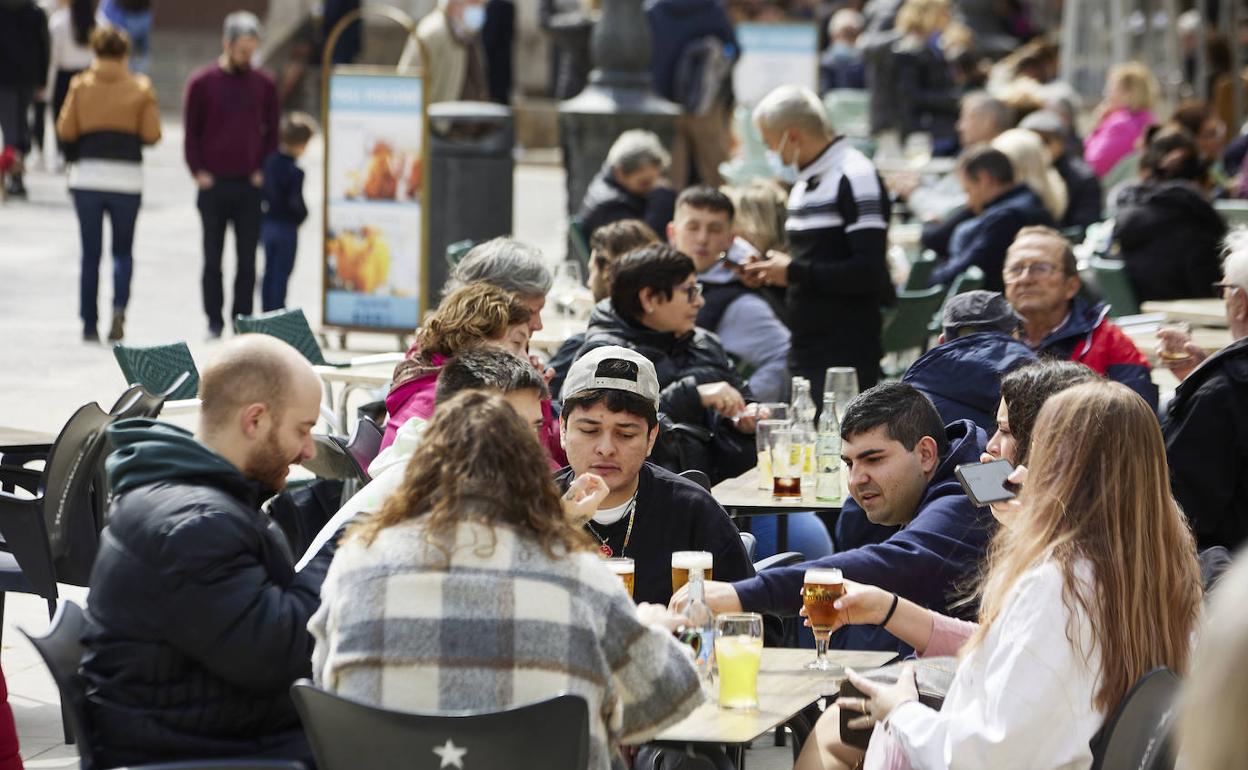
(986, 483)
(740, 253)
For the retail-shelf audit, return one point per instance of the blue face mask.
(474, 17)
(783, 171)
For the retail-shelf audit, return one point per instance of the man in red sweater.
(231, 119)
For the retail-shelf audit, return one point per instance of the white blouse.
(1021, 699)
(66, 53)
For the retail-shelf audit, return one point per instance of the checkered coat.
(501, 624)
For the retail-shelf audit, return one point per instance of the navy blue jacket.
(283, 190)
(962, 377)
(994, 231)
(675, 24)
(929, 561)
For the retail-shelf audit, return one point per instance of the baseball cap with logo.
(613, 368)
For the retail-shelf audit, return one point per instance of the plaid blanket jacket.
(494, 628)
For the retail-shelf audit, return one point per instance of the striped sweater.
(495, 628)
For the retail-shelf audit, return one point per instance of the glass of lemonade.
(762, 435)
(738, 654)
(683, 561)
(820, 590)
(623, 567)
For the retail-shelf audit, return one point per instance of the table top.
(785, 687)
(20, 437)
(741, 495)
(555, 331)
(372, 375)
(1202, 311)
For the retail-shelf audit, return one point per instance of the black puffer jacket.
(606, 202)
(197, 623)
(1170, 237)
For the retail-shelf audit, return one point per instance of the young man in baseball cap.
(609, 425)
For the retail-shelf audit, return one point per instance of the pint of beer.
(624, 568)
(683, 561)
(820, 589)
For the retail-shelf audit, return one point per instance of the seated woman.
(473, 314)
(655, 298)
(475, 549)
(1097, 551)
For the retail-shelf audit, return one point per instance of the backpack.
(703, 71)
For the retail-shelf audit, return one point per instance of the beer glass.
(820, 590)
(738, 653)
(623, 567)
(1171, 352)
(773, 410)
(788, 457)
(842, 381)
(683, 561)
(762, 432)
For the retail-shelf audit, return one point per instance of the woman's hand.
(658, 615)
(862, 605)
(1006, 509)
(583, 497)
(880, 699)
(721, 397)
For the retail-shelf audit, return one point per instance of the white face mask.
(784, 171)
(473, 17)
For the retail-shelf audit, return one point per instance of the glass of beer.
(820, 590)
(683, 561)
(762, 435)
(787, 460)
(738, 653)
(623, 567)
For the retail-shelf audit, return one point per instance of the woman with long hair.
(69, 28)
(1096, 552)
(475, 550)
(1033, 168)
(1131, 91)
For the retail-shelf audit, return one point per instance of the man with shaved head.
(197, 624)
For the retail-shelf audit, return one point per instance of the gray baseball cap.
(979, 311)
(635, 375)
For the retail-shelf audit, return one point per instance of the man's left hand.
(880, 699)
(772, 271)
(720, 597)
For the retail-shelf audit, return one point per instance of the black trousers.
(236, 202)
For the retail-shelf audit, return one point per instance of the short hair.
(985, 159)
(791, 106)
(487, 368)
(617, 238)
(469, 316)
(658, 267)
(109, 42)
(1070, 264)
(1138, 83)
(297, 129)
(706, 198)
(905, 413)
(240, 24)
(248, 369)
(615, 400)
(506, 263)
(846, 20)
(636, 149)
(983, 103)
(1235, 260)
(1025, 389)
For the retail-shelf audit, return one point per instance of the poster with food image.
(374, 223)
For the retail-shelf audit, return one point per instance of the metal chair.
(1137, 736)
(349, 735)
(289, 326)
(1112, 280)
(61, 649)
(159, 367)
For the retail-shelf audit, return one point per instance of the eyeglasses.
(1038, 269)
(692, 291)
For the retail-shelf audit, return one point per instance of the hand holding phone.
(740, 253)
(987, 483)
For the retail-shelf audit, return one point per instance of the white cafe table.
(742, 498)
(1203, 311)
(367, 375)
(554, 332)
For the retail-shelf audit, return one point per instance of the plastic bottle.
(803, 408)
(828, 452)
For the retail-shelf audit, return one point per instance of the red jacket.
(1089, 337)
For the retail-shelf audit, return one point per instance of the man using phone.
(747, 326)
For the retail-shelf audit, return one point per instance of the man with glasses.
(1206, 427)
(1042, 283)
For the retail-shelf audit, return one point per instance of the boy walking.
(284, 209)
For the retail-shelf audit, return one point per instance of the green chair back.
(158, 368)
(906, 327)
(456, 251)
(1111, 277)
(920, 272)
(970, 279)
(849, 110)
(1126, 169)
(578, 242)
(289, 326)
(1234, 212)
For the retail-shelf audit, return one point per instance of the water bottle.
(803, 408)
(828, 452)
(699, 630)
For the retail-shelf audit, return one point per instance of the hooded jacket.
(1089, 337)
(929, 560)
(962, 377)
(197, 624)
(1206, 433)
(984, 240)
(675, 24)
(1170, 238)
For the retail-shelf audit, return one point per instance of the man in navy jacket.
(900, 460)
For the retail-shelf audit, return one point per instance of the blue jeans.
(281, 241)
(122, 210)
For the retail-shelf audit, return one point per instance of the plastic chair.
(1137, 736)
(159, 367)
(920, 272)
(348, 735)
(906, 327)
(750, 544)
(1124, 170)
(457, 250)
(698, 477)
(365, 444)
(579, 243)
(1234, 212)
(1111, 278)
(61, 649)
(289, 326)
(970, 279)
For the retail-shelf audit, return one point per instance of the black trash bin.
(470, 180)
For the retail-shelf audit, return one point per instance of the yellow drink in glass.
(738, 658)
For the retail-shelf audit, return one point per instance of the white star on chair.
(452, 755)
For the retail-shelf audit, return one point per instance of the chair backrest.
(1137, 736)
(579, 243)
(920, 273)
(365, 443)
(289, 326)
(970, 279)
(906, 329)
(457, 250)
(138, 401)
(61, 649)
(69, 512)
(1124, 170)
(347, 735)
(1111, 278)
(750, 543)
(698, 477)
(158, 368)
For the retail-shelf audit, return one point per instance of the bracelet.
(892, 608)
